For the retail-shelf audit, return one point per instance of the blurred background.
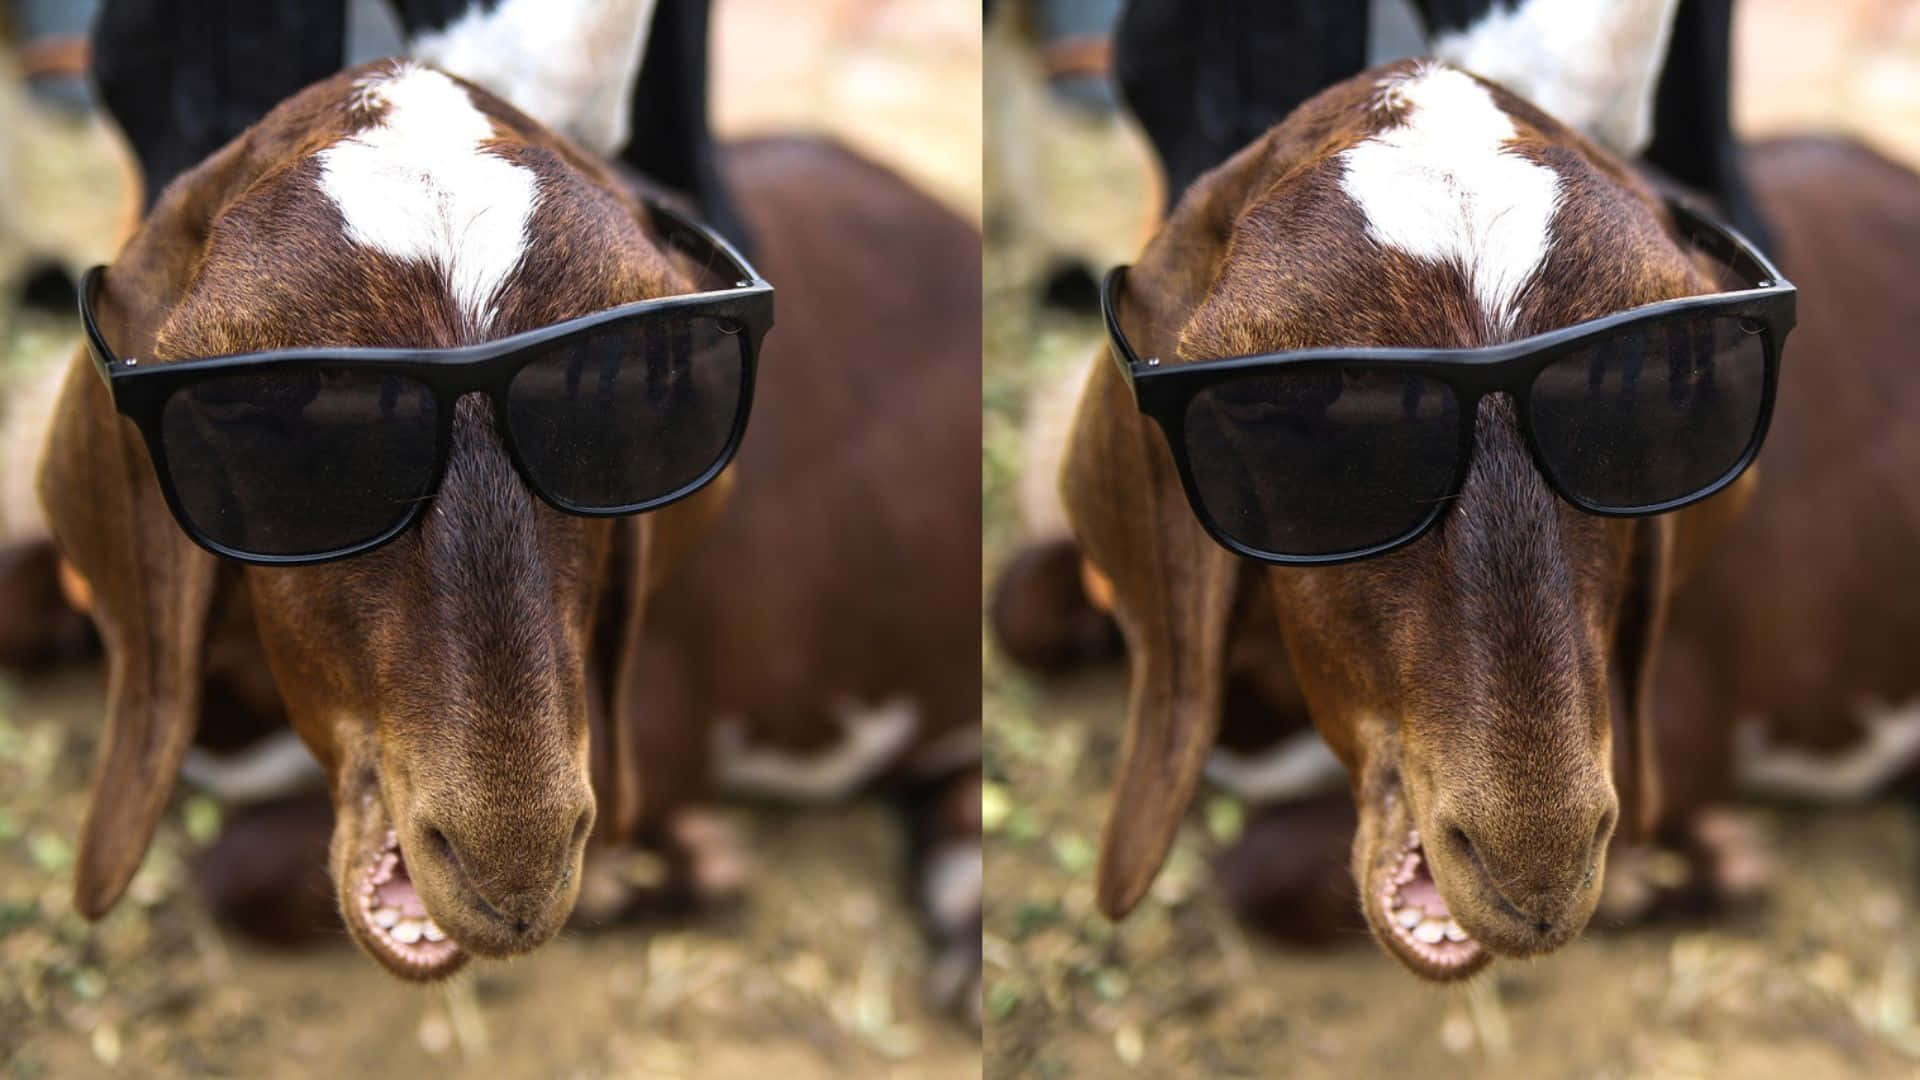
(817, 973)
(1817, 982)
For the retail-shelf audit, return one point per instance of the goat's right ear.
(1173, 587)
(1173, 591)
(150, 587)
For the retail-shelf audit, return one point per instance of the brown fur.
(468, 680)
(1471, 682)
(443, 680)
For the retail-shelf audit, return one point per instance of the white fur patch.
(1592, 64)
(874, 739)
(1297, 767)
(277, 765)
(419, 186)
(569, 64)
(1892, 746)
(1443, 187)
(951, 886)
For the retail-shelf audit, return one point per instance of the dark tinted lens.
(1322, 462)
(299, 461)
(1652, 415)
(628, 413)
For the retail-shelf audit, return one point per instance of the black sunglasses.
(1326, 455)
(305, 455)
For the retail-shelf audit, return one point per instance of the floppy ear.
(1698, 528)
(1173, 589)
(150, 587)
(1636, 648)
(1666, 551)
(644, 740)
(1172, 586)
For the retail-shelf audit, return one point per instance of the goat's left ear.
(632, 695)
(1637, 633)
(1666, 551)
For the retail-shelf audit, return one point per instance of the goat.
(1474, 683)
(481, 691)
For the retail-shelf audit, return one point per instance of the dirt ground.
(816, 974)
(1817, 982)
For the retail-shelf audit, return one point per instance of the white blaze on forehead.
(1444, 186)
(1591, 64)
(419, 186)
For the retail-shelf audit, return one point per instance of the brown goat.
(1472, 683)
(479, 689)
(1775, 689)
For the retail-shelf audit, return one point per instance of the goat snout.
(1530, 878)
(507, 881)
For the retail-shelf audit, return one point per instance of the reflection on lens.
(1322, 462)
(629, 412)
(1653, 414)
(299, 462)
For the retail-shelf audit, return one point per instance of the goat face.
(1469, 680)
(442, 680)
(1463, 679)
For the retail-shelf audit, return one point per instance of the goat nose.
(1540, 872)
(515, 874)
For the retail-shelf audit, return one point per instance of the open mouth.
(1416, 918)
(394, 920)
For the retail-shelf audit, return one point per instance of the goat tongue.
(398, 892)
(1421, 892)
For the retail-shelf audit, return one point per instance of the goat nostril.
(580, 827)
(440, 844)
(520, 926)
(1543, 926)
(1461, 843)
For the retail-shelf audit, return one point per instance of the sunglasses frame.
(1163, 391)
(140, 392)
